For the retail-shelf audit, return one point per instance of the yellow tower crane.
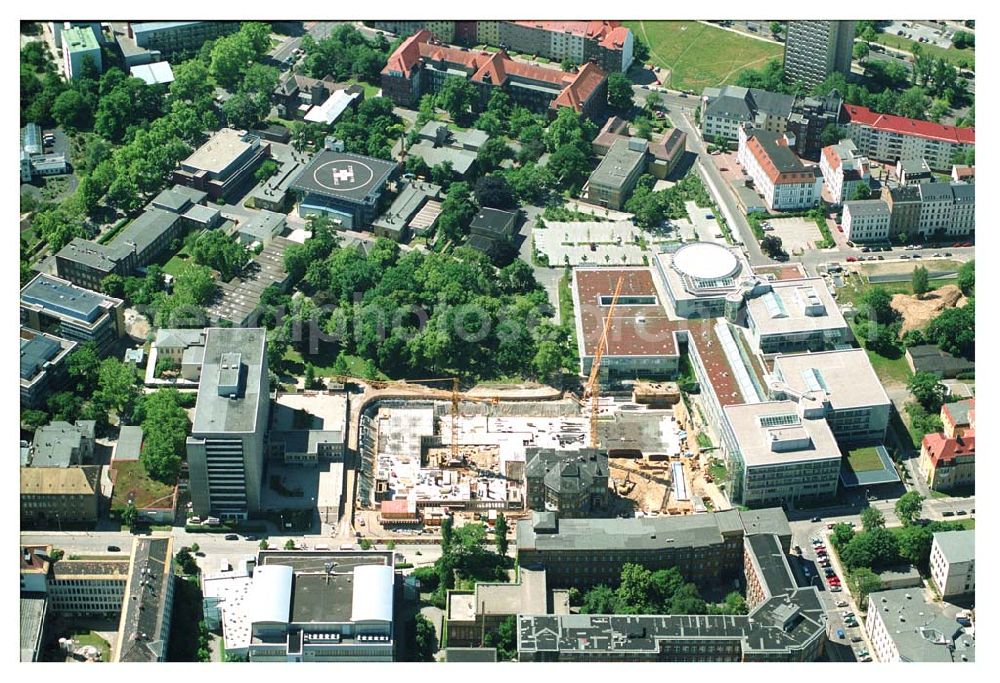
(592, 390)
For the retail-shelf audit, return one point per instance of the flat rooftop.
(80, 38)
(922, 630)
(218, 153)
(795, 306)
(61, 298)
(351, 177)
(847, 377)
(618, 164)
(105, 569)
(774, 434)
(957, 546)
(215, 413)
(640, 326)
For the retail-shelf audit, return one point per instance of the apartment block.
(419, 66)
(816, 49)
(904, 209)
(905, 625)
(779, 452)
(866, 220)
(54, 496)
(843, 383)
(810, 115)
(58, 307)
(226, 447)
(778, 175)
(958, 418)
(953, 563)
(725, 110)
(888, 138)
(78, 46)
(844, 169)
(949, 462)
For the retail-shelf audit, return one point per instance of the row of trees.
(874, 548)
(465, 560)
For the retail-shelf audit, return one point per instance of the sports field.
(699, 55)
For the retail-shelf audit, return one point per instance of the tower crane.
(592, 390)
(454, 396)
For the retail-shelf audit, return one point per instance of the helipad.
(343, 175)
(706, 261)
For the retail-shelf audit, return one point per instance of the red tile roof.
(596, 30)
(615, 38)
(941, 449)
(904, 126)
(407, 54)
(965, 171)
(580, 87)
(496, 68)
(801, 174)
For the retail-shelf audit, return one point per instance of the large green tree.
(457, 97)
(619, 91)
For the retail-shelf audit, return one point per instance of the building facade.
(816, 49)
(418, 67)
(888, 138)
(54, 496)
(725, 110)
(88, 588)
(226, 447)
(780, 178)
(57, 307)
(168, 37)
(223, 165)
(949, 462)
(905, 625)
(43, 366)
(844, 170)
(78, 46)
(788, 316)
(779, 452)
(572, 483)
(904, 210)
(866, 220)
(953, 563)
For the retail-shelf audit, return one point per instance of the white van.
(322, 546)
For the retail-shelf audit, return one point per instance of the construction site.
(467, 454)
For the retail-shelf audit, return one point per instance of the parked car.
(904, 256)
(856, 639)
(866, 249)
(866, 658)
(251, 538)
(710, 216)
(114, 549)
(881, 258)
(947, 254)
(842, 603)
(816, 541)
(852, 259)
(835, 589)
(947, 513)
(232, 537)
(816, 519)
(840, 633)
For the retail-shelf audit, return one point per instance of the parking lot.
(935, 35)
(797, 234)
(700, 226)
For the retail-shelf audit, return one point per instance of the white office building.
(953, 562)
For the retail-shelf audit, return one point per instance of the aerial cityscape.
(497, 341)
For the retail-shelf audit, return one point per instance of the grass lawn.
(887, 369)
(967, 523)
(699, 55)
(323, 363)
(177, 263)
(864, 459)
(960, 58)
(566, 302)
(855, 288)
(370, 90)
(90, 638)
(131, 478)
